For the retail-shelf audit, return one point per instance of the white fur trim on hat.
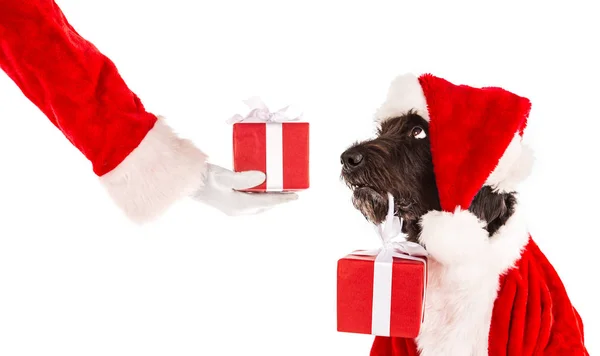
(161, 170)
(514, 166)
(459, 237)
(463, 272)
(454, 238)
(404, 94)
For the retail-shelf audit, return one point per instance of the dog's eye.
(418, 132)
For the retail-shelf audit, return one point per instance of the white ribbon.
(260, 113)
(382, 279)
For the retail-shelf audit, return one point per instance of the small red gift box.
(380, 298)
(269, 143)
(382, 292)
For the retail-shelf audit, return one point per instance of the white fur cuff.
(160, 171)
(454, 238)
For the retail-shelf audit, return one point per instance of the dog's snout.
(352, 159)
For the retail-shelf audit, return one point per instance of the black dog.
(488, 283)
(399, 161)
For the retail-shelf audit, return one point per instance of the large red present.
(274, 144)
(382, 292)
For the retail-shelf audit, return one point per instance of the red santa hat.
(476, 140)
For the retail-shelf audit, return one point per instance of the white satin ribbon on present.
(382, 279)
(260, 113)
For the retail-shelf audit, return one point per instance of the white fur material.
(404, 94)
(463, 273)
(513, 168)
(161, 170)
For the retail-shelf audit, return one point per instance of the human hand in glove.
(221, 191)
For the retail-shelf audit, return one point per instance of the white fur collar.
(464, 271)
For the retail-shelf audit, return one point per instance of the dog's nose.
(352, 159)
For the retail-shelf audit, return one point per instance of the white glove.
(220, 192)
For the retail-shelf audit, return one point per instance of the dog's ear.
(493, 208)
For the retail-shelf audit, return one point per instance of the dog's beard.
(403, 205)
(371, 203)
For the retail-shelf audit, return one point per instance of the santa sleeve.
(143, 164)
(393, 346)
(533, 314)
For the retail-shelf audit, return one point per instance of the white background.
(77, 278)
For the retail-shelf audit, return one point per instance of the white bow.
(388, 231)
(259, 112)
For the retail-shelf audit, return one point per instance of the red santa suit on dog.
(143, 164)
(486, 296)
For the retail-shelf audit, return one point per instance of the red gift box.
(381, 298)
(273, 144)
(280, 150)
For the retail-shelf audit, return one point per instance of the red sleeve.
(393, 346)
(533, 314)
(71, 81)
(142, 163)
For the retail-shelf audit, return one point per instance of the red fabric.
(249, 153)
(532, 316)
(388, 346)
(355, 295)
(470, 128)
(71, 82)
